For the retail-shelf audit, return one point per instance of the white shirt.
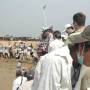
(17, 82)
(27, 85)
(53, 71)
(55, 44)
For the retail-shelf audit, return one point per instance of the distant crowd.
(17, 51)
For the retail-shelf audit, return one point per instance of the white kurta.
(17, 82)
(26, 85)
(55, 44)
(53, 71)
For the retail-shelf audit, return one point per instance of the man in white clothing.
(56, 43)
(19, 80)
(30, 76)
(53, 71)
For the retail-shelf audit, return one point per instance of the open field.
(7, 73)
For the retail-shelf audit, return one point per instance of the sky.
(27, 17)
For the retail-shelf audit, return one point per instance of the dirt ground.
(7, 73)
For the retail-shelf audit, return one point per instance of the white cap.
(67, 26)
(44, 28)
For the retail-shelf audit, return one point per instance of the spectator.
(53, 71)
(69, 29)
(79, 25)
(84, 78)
(20, 79)
(57, 42)
(30, 76)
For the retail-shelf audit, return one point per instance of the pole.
(45, 15)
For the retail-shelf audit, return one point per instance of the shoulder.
(24, 79)
(17, 81)
(52, 42)
(26, 85)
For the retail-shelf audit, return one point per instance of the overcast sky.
(26, 17)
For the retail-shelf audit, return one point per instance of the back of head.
(57, 34)
(18, 73)
(45, 33)
(79, 18)
(29, 74)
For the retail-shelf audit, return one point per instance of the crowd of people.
(19, 50)
(63, 62)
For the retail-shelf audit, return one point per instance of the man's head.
(46, 33)
(29, 74)
(57, 35)
(69, 29)
(18, 73)
(79, 19)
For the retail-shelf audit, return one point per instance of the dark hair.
(57, 34)
(79, 18)
(30, 74)
(50, 30)
(44, 33)
(18, 73)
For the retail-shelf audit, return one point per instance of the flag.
(44, 7)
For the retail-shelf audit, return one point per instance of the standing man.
(53, 71)
(83, 82)
(79, 25)
(20, 79)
